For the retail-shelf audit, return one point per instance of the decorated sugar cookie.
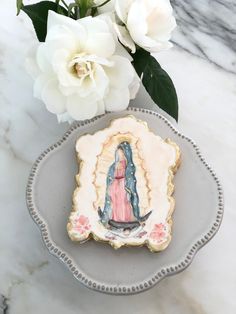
(124, 186)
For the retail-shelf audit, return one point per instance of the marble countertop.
(203, 67)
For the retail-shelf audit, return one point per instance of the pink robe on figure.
(121, 208)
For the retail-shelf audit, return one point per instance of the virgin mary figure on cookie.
(124, 186)
(121, 209)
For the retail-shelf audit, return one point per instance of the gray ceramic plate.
(197, 216)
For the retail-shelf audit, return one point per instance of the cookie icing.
(124, 187)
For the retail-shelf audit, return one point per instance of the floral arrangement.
(94, 54)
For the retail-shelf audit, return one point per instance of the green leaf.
(38, 13)
(157, 82)
(19, 5)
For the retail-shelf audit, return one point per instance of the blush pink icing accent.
(158, 232)
(121, 208)
(82, 224)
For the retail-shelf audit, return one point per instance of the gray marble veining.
(3, 304)
(207, 28)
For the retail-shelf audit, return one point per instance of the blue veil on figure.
(130, 187)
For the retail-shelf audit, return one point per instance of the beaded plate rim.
(68, 261)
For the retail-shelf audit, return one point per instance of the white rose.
(80, 72)
(107, 7)
(148, 23)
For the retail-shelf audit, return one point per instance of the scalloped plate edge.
(68, 261)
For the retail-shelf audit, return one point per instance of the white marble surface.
(202, 65)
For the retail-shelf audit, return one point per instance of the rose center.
(81, 67)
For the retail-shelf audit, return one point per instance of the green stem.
(83, 6)
(76, 13)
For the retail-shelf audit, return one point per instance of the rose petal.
(121, 51)
(134, 86)
(100, 41)
(81, 108)
(55, 19)
(93, 87)
(117, 99)
(60, 37)
(101, 44)
(122, 8)
(101, 80)
(94, 25)
(125, 37)
(39, 84)
(42, 59)
(53, 99)
(121, 74)
(60, 63)
(136, 21)
(107, 8)
(161, 24)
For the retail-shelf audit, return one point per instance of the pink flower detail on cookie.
(158, 232)
(82, 224)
